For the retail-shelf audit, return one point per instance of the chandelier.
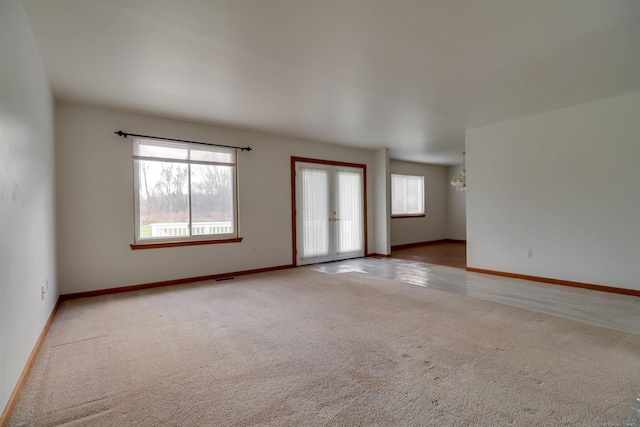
(460, 181)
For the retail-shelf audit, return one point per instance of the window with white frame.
(407, 195)
(184, 192)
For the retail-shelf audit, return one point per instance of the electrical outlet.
(46, 285)
(42, 291)
(529, 253)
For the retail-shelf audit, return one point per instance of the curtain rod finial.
(120, 133)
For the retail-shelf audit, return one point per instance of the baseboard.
(13, 399)
(591, 286)
(170, 283)
(429, 242)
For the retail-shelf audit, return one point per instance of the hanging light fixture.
(460, 181)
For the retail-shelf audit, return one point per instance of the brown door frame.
(293, 198)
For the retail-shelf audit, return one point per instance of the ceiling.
(407, 75)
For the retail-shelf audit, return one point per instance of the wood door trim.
(294, 160)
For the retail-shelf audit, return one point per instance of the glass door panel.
(313, 212)
(329, 213)
(349, 213)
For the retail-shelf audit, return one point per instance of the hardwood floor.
(615, 311)
(451, 254)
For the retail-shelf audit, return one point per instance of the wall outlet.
(46, 285)
(42, 292)
(529, 253)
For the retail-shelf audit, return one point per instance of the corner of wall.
(28, 278)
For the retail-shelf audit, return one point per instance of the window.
(184, 192)
(407, 195)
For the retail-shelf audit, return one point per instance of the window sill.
(408, 216)
(135, 246)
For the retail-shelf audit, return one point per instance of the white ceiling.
(407, 75)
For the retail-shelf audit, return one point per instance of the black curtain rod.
(124, 135)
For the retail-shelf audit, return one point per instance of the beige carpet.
(303, 348)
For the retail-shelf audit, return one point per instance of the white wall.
(456, 207)
(382, 202)
(433, 225)
(565, 184)
(27, 246)
(95, 200)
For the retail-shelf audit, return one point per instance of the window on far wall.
(184, 192)
(407, 195)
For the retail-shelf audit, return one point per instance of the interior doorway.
(329, 210)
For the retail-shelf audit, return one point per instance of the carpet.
(299, 347)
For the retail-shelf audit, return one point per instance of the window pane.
(212, 156)
(414, 194)
(212, 199)
(407, 195)
(163, 197)
(177, 199)
(315, 214)
(350, 226)
(161, 150)
(397, 194)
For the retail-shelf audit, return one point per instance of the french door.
(329, 212)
